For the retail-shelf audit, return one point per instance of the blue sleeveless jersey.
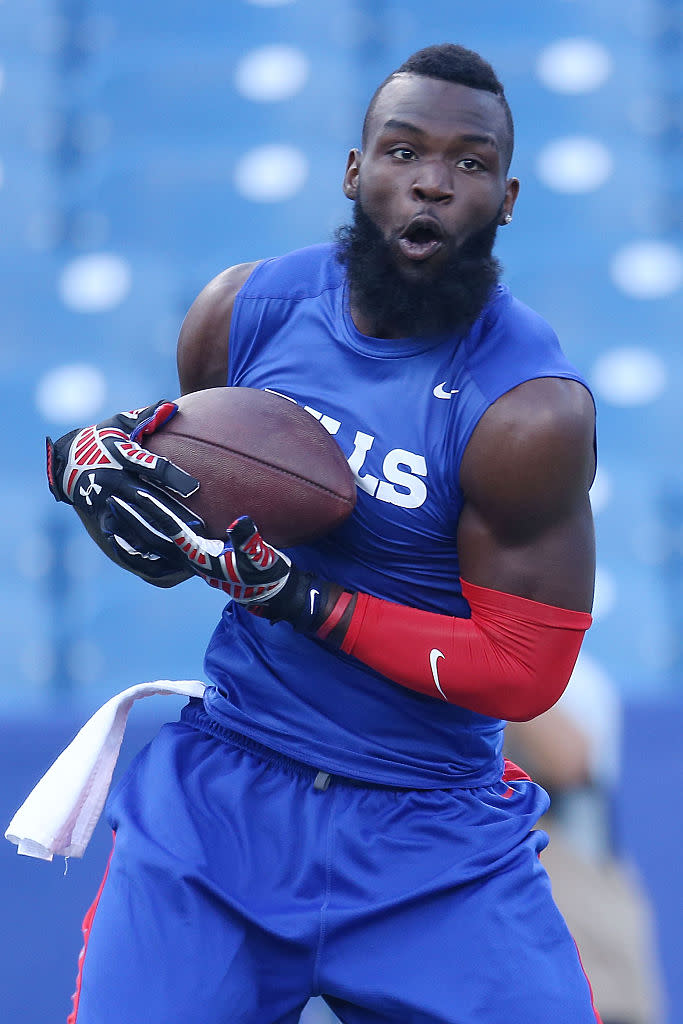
(402, 412)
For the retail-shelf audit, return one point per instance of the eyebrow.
(395, 124)
(484, 140)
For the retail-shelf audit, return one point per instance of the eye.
(403, 153)
(470, 163)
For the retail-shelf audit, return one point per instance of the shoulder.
(218, 296)
(204, 335)
(510, 343)
(532, 453)
(203, 342)
(299, 274)
(541, 406)
(505, 312)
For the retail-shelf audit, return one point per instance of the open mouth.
(421, 239)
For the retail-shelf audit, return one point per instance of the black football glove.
(306, 601)
(150, 517)
(87, 467)
(245, 567)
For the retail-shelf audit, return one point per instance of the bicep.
(202, 354)
(555, 565)
(526, 527)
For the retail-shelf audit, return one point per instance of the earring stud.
(507, 218)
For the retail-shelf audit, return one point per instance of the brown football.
(256, 453)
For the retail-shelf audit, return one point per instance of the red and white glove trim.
(88, 451)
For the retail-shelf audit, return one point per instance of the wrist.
(314, 606)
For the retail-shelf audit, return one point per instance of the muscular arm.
(527, 558)
(526, 526)
(203, 342)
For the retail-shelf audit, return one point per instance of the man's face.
(432, 172)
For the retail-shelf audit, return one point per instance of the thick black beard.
(449, 301)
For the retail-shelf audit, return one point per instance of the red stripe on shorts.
(512, 772)
(598, 1018)
(86, 928)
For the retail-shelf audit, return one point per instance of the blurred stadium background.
(146, 146)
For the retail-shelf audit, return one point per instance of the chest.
(396, 417)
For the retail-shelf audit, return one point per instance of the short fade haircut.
(452, 63)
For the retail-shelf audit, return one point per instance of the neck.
(372, 327)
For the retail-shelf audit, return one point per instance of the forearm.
(512, 659)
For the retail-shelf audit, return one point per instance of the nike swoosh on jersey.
(434, 656)
(313, 594)
(440, 391)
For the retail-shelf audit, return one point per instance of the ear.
(511, 193)
(350, 184)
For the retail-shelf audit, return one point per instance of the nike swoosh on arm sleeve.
(512, 659)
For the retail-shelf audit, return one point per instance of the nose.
(433, 183)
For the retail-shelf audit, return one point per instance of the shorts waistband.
(195, 715)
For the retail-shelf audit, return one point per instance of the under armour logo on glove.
(104, 448)
(110, 446)
(87, 467)
(92, 486)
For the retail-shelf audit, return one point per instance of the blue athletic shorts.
(242, 882)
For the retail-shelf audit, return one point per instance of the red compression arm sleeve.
(512, 659)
